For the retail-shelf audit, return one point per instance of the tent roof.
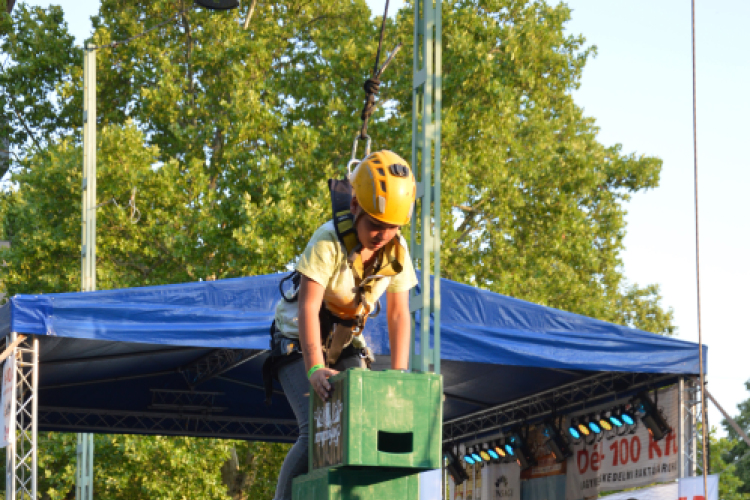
(146, 359)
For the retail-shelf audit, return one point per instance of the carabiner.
(368, 141)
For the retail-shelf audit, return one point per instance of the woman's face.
(372, 233)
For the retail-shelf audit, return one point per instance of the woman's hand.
(320, 384)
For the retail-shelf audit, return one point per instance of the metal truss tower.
(425, 158)
(687, 431)
(22, 370)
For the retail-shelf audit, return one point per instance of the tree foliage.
(40, 96)
(736, 452)
(215, 144)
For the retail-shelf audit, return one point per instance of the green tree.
(171, 468)
(39, 98)
(532, 202)
(730, 485)
(736, 452)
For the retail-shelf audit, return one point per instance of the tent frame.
(21, 463)
(21, 452)
(589, 392)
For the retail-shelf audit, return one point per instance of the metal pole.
(425, 157)
(85, 448)
(10, 450)
(681, 467)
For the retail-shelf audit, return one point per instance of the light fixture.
(467, 457)
(650, 416)
(573, 429)
(627, 415)
(582, 427)
(615, 417)
(604, 422)
(508, 446)
(491, 452)
(520, 451)
(453, 465)
(593, 423)
(475, 455)
(499, 449)
(218, 4)
(556, 442)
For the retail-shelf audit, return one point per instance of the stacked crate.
(373, 436)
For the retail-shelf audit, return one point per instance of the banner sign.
(8, 402)
(501, 482)
(691, 488)
(631, 460)
(660, 492)
(488, 482)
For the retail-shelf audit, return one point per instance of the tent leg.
(21, 452)
(85, 467)
(687, 428)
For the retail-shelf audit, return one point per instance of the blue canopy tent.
(186, 359)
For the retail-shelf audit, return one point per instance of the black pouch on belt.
(283, 351)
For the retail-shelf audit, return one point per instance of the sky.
(639, 90)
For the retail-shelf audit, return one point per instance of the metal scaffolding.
(21, 452)
(425, 159)
(690, 415)
(596, 389)
(166, 423)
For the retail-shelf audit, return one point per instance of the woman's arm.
(310, 301)
(399, 329)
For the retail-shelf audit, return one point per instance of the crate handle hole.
(395, 442)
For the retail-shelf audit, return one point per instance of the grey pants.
(294, 381)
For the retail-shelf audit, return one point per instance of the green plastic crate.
(384, 419)
(357, 483)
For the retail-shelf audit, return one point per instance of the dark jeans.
(294, 381)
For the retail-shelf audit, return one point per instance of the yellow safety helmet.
(384, 186)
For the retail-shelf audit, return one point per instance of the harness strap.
(343, 218)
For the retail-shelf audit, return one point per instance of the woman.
(339, 289)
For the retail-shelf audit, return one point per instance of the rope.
(114, 44)
(372, 85)
(704, 409)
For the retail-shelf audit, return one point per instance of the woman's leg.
(297, 389)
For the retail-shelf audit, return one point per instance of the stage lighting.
(468, 458)
(454, 467)
(485, 455)
(556, 442)
(583, 428)
(627, 415)
(521, 452)
(475, 455)
(508, 446)
(650, 416)
(592, 423)
(615, 416)
(499, 449)
(573, 429)
(491, 452)
(604, 422)
(218, 4)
